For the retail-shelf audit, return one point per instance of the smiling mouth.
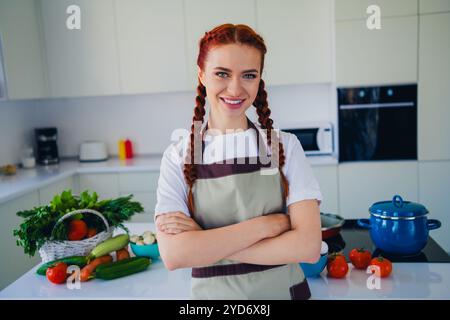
(232, 103)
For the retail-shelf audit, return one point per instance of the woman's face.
(231, 76)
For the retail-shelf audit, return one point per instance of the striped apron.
(228, 193)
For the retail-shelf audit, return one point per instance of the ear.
(200, 75)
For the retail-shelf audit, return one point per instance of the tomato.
(91, 232)
(360, 258)
(77, 230)
(337, 266)
(384, 264)
(57, 274)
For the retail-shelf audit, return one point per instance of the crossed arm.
(271, 239)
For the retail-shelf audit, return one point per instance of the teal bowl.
(314, 269)
(145, 250)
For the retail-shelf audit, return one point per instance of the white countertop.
(27, 180)
(408, 281)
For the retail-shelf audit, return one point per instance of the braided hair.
(221, 35)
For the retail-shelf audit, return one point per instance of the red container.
(128, 149)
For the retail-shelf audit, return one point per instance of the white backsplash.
(148, 120)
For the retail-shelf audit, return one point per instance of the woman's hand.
(176, 222)
(275, 224)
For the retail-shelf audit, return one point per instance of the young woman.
(243, 228)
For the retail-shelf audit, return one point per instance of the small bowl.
(314, 269)
(145, 250)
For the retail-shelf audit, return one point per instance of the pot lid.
(397, 207)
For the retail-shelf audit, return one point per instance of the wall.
(146, 119)
(16, 128)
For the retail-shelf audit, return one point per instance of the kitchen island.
(408, 281)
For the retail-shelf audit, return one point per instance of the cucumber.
(110, 245)
(80, 261)
(122, 268)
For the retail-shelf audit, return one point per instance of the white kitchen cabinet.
(14, 262)
(105, 184)
(81, 62)
(143, 186)
(47, 193)
(434, 87)
(148, 201)
(20, 38)
(151, 44)
(328, 182)
(363, 183)
(138, 181)
(434, 186)
(203, 15)
(356, 9)
(374, 57)
(298, 35)
(433, 6)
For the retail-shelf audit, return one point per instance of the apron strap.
(229, 269)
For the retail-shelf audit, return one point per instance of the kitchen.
(106, 82)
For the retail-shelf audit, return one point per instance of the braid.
(263, 111)
(190, 170)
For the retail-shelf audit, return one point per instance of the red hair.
(222, 35)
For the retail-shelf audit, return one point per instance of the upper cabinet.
(151, 44)
(379, 56)
(20, 39)
(203, 15)
(356, 9)
(433, 6)
(433, 89)
(81, 62)
(298, 35)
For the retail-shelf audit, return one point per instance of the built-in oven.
(377, 123)
(316, 138)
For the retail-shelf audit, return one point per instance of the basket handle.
(72, 213)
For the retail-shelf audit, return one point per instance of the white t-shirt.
(173, 191)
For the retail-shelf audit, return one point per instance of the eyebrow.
(228, 70)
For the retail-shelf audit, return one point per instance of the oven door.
(381, 132)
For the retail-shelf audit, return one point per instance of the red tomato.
(384, 264)
(91, 232)
(58, 273)
(77, 230)
(360, 258)
(337, 266)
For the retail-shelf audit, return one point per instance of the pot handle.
(433, 224)
(364, 223)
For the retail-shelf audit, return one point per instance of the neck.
(224, 124)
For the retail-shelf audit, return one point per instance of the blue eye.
(221, 74)
(251, 76)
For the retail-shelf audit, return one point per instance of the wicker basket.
(52, 250)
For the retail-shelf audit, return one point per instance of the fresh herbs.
(39, 224)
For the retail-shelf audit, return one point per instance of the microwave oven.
(316, 138)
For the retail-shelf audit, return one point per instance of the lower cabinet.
(47, 193)
(363, 183)
(14, 262)
(105, 184)
(328, 182)
(434, 186)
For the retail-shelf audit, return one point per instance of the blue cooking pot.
(398, 226)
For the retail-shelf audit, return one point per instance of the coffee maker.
(46, 147)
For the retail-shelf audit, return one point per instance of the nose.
(235, 87)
